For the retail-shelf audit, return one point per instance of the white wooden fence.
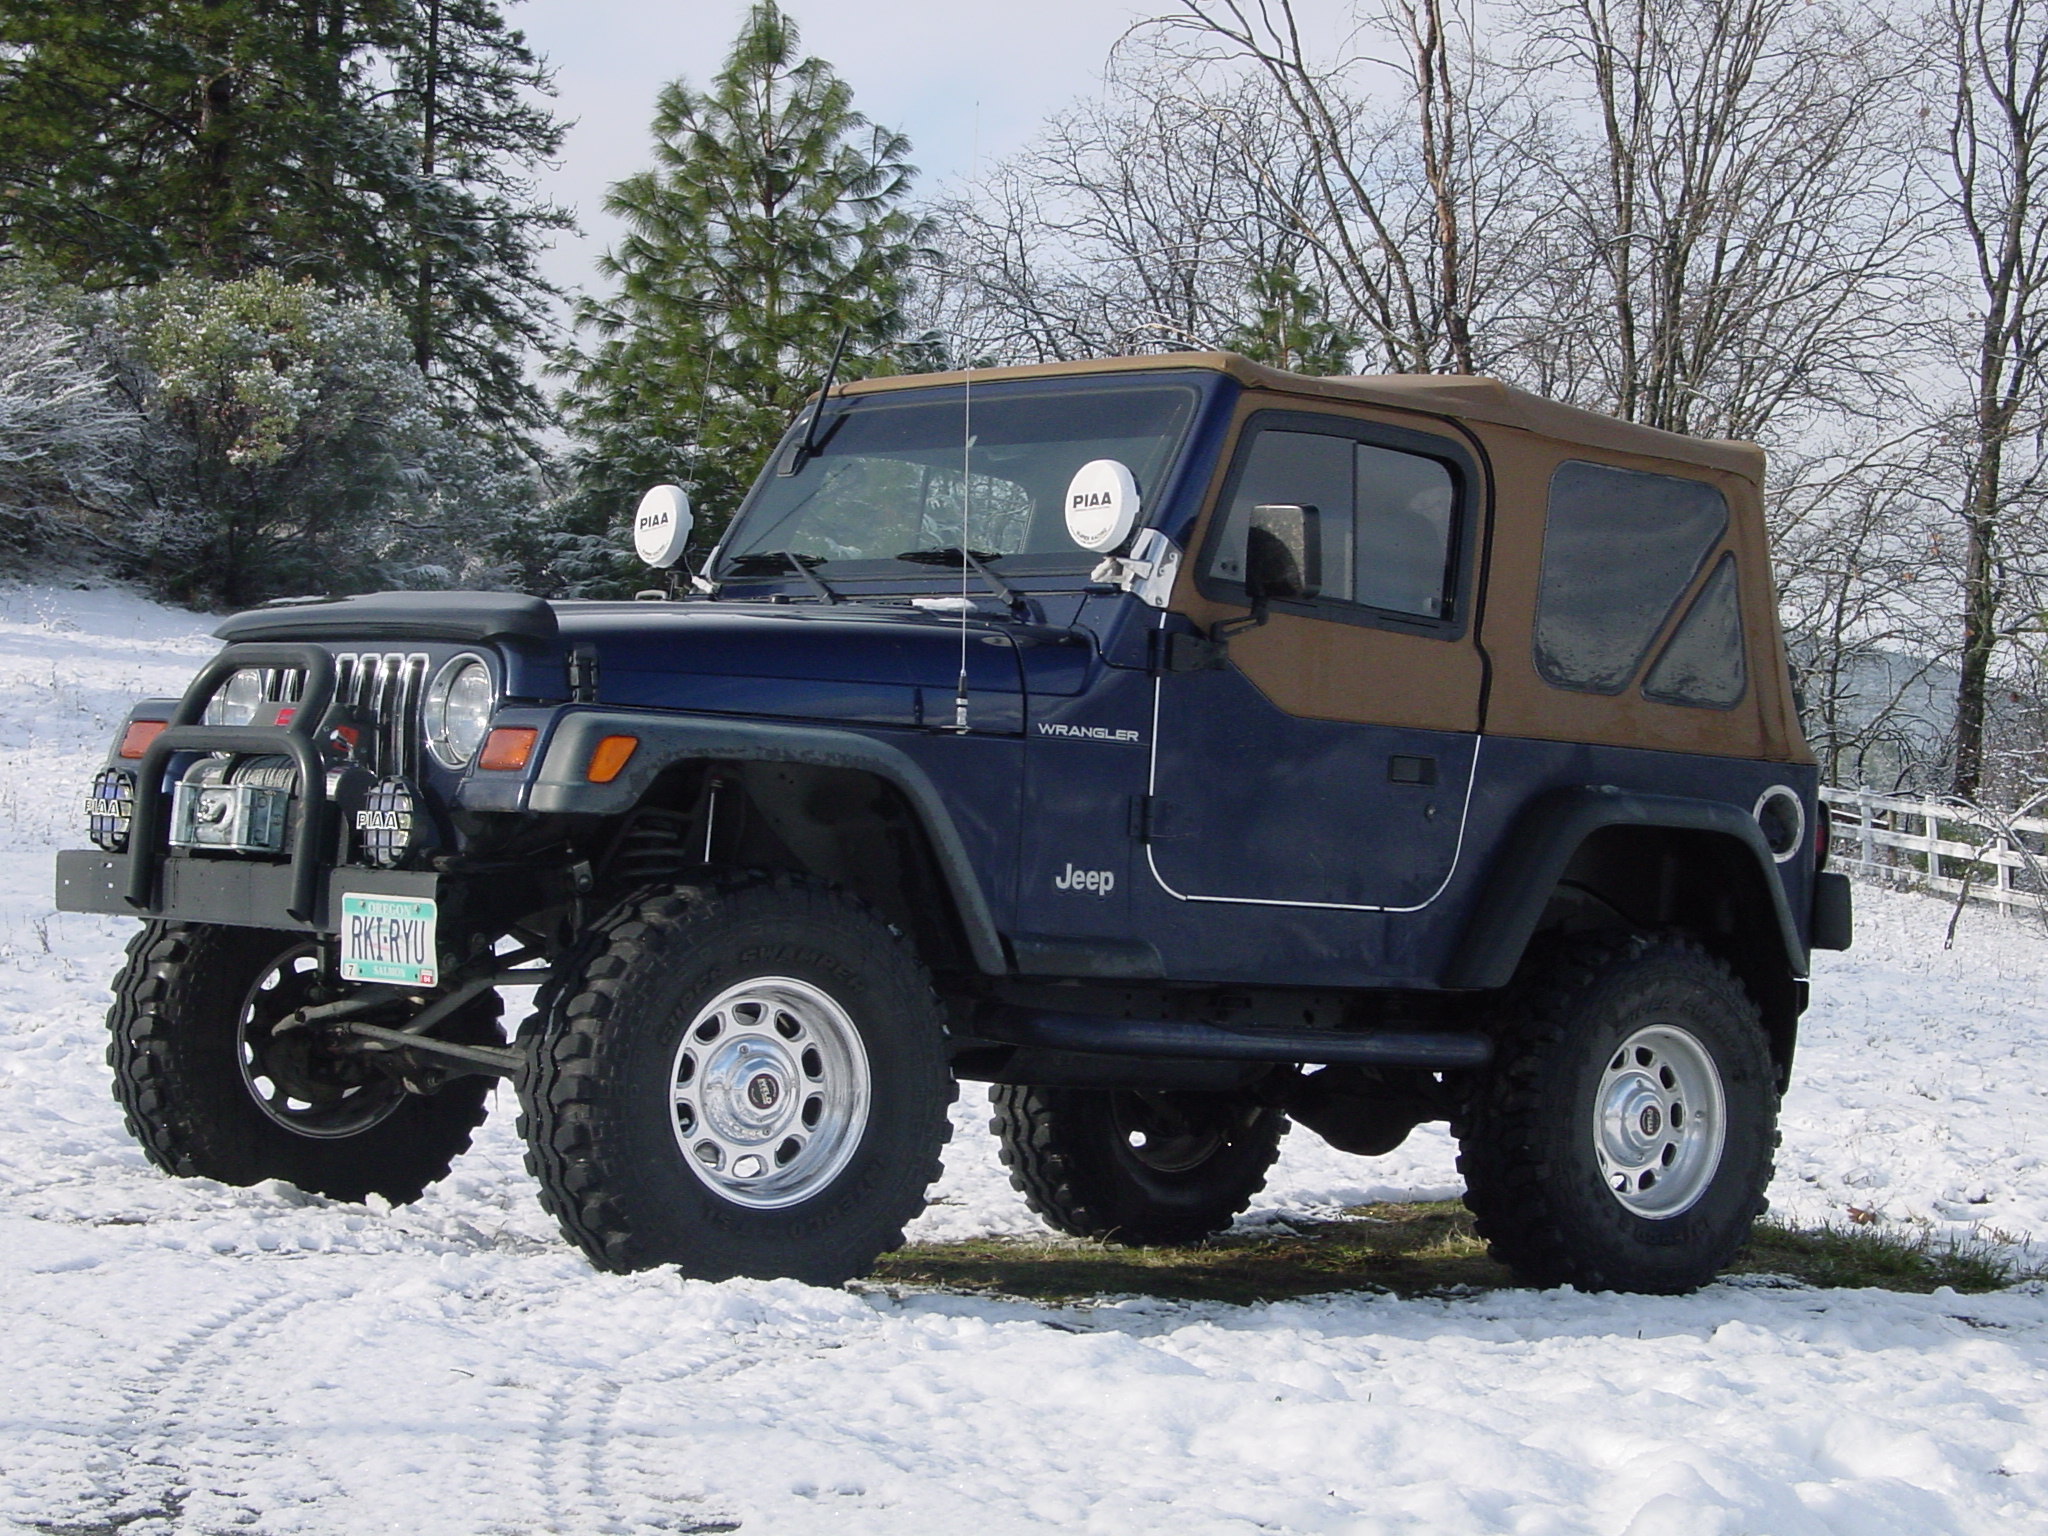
(1940, 846)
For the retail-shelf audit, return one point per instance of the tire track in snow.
(593, 1477)
(160, 1440)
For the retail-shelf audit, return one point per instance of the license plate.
(389, 939)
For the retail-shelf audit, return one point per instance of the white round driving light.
(460, 702)
(1102, 506)
(661, 526)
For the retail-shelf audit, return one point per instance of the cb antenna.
(966, 487)
(966, 527)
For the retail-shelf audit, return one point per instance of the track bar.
(502, 1060)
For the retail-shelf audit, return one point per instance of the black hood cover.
(473, 616)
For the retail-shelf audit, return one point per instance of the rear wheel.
(211, 1090)
(1622, 1138)
(747, 1078)
(1136, 1167)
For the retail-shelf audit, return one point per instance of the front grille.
(385, 688)
(383, 691)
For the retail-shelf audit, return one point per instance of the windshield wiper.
(954, 556)
(808, 447)
(773, 562)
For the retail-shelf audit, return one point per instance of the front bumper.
(241, 893)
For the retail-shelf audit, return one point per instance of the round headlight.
(459, 705)
(235, 702)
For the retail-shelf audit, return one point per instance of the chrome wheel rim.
(1660, 1122)
(769, 1092)
(295, 1081)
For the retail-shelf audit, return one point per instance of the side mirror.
(1283, 558)
(1283, 554)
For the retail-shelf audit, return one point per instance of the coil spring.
(654, 845)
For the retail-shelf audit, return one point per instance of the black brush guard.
(148, 829)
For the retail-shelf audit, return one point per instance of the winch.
(234, 805)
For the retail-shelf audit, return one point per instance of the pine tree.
(379, 148)
(472, 293)
(216, 137)
(771, 221)
(1291, 327)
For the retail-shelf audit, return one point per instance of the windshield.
(925, 473)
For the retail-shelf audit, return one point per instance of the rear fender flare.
(1541, 847)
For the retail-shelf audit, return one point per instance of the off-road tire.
(598, 1089)
(1527, 1136)
(174, 1050)
(1070, 1153)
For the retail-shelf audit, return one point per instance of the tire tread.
(572, 1082)
(1513, 1194)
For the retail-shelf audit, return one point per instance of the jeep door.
(1326, 761)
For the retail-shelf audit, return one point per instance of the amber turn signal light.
(507, 748)
(140, 733)
(611, 756)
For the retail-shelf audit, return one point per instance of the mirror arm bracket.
(1208, 650)
(1221, 631)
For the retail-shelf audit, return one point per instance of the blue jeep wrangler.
(1181, 746)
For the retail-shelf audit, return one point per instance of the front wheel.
(747, 1078)
(1622, 1138)
(211, 1088)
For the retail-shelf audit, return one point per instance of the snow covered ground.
(176, 1356)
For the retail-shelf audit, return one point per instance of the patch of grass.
(1423, 1249)
(1411, 1250)
(1885, 1257)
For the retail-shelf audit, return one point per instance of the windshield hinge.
(583, 674)
(1147, 572)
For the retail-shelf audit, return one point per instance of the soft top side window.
(1620, 548)
(1387, 517)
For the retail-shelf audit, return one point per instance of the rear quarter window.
(1702, 664)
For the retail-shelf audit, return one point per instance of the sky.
(964, 80)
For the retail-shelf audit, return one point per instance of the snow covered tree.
(770, 222)
(67, 443)
(290, 431)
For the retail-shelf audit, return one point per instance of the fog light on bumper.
(109, 809)
(389, 827)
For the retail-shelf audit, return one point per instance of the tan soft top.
(1457, 396)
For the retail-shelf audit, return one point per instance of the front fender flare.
(1550, 831)
(561, 787)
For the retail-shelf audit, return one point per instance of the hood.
(885, 665)
(854, 662)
